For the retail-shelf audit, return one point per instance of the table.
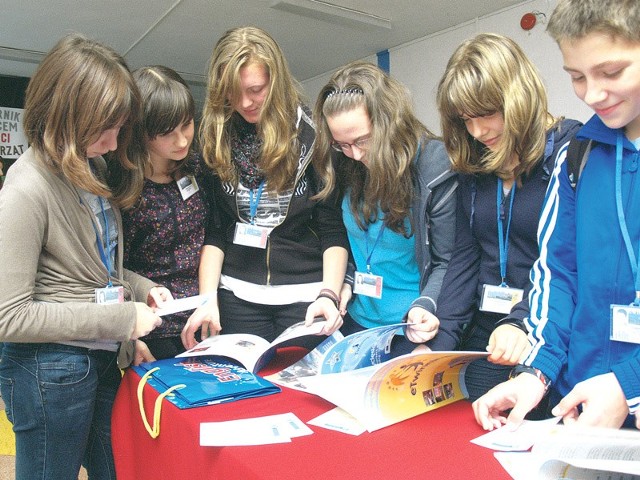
(432, 445)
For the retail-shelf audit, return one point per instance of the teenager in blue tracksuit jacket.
(584, 268)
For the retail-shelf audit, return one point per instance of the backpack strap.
(577, 156)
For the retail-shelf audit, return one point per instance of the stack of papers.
(565, 452)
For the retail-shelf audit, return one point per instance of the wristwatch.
(518, 369)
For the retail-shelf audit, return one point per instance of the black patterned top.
(163, 235)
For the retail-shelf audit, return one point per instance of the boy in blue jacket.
(586, 283)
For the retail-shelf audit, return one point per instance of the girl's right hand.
(146, 321)
(207, 317)
(422, 325)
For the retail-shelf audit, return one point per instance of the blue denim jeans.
(59, 400)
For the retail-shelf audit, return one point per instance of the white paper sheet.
(339, 420)
(182, 304)
(253, 431)
(518, 440)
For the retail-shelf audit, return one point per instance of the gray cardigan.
(51, 265)
(434, 220)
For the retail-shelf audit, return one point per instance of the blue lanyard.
(104, 256)
(375, 244)
(366, 232)
(253, 202)
(622, 221)
(503, 238)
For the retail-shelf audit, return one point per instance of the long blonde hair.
(387, 182)
(491, 74)
(277, 126)
(81, 89)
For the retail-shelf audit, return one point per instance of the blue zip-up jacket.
(584, 268)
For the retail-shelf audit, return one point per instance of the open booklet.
(571, 452)
(358, 374)
(254, 352)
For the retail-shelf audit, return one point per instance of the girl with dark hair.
(164, 231)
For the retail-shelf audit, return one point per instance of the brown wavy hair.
(491, 74)
(387, 182)
(81, 89)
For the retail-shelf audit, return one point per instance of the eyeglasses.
(360, 144)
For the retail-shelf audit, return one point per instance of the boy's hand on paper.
(205, 318)
(520, 394)
(602, 400)
(158, 296)
(142, 353)
(324, 307)
(146, 321)
(508, 345)
(422, 325)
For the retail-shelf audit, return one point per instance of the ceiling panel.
(316, 36)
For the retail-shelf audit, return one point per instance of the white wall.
(421, 63)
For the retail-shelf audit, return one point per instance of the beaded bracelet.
(330, 294)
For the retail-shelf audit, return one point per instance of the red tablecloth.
(432, 445)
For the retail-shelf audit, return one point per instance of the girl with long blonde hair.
(275, 254)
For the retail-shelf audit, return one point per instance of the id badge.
(109, 295)
(625, 323)
(188, 186)
(251, 235)
(498, 299)
(368, 285)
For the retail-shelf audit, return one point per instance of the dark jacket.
(476, 260)
(295, 247)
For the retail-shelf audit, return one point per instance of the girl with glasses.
(397, 196)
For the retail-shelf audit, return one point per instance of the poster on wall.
(13, 141)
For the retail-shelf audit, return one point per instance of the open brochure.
(254, 352)
(571, 452)
(358, 374)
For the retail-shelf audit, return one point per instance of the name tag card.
(625, 323)
(109, 295)
(498, 299)
(188, 186)
(251, 235)
(368, 285)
